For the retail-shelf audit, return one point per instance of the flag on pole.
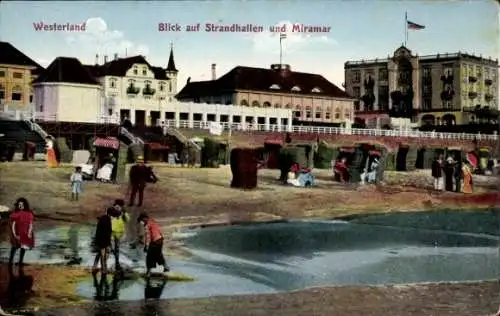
(414, 26)
(282, 36)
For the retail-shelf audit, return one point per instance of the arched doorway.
(449, 119)
(428, 119)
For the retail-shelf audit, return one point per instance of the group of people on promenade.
(452, 175)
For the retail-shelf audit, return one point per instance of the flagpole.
(281, 50)
(406, 27)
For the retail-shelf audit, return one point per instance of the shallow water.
(266, 258)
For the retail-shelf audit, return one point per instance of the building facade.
(134, 89)
(310, 97)
(66, 92)
(16, 74)
(437, 89)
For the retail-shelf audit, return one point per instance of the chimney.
(105, 58)
(116, 56)
(97, 59)
(214, 74)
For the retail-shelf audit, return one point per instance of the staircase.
(20, 132)
(133, 139)
(175, 132)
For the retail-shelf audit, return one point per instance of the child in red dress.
(22, 236)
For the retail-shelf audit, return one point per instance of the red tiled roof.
(261, 79)
(109, 142)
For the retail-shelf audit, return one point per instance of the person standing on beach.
(153, 244)
(76, 183)
(437, 173)
(119, 222)
(22, 236)
(102, 240)
(138, 176)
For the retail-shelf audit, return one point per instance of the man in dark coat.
(437, 173)
(448, 174)
(139, 175)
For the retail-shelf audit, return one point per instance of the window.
(144, 71)
(383, 74)
(316, 90)
(162, 86)
(135, 71)
(308, 114)
(337, 114)
(2, 73)
(318, 115)
(170, 86)
(427, 105)
(356, 91)
(274, 87)
(277, 105)
(244, 102)
(267, 104)
(327, 116)
(112, 83)
(17, 93)
(479, 72)
(296, 114)
(31, 98)
(2, 92)
(17, 75)
(296, 89)
(356, 78)
(427, 72)
(255, 104)
(288, 106)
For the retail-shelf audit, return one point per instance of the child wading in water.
(153, 244)
(76, 183)
(118, 226)
(21, 237)
(102, 240)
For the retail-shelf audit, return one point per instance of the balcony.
(488, 82)
(472, 79)
(488, 97)
(447, 79)
(148, 91)
(133, 90)
(472, 95)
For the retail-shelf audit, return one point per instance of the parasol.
(472, 159)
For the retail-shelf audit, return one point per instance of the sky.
(358, 30)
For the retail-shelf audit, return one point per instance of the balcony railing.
(331, 130)
(133, 90)
(148, 91)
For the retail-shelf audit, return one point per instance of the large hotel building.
(437, 89)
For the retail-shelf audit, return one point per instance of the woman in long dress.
(51, 154)
(467, 178)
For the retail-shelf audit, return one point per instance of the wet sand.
(202, 196)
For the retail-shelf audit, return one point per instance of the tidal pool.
(266, 258)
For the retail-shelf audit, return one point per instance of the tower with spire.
(172, 72)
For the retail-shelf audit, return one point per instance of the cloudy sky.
(359, 30)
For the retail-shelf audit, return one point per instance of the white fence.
(18, 115)
(336, 130)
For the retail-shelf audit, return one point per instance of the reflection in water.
(20, 289)
(103, 291)
(154, 288)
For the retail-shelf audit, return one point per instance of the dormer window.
(296, 89)
(274, 87)
(135, 70)
(144, 71)
(316, 90)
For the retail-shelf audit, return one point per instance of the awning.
(273, 141)
(347, 150)
(109, 142)
(157, 146)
